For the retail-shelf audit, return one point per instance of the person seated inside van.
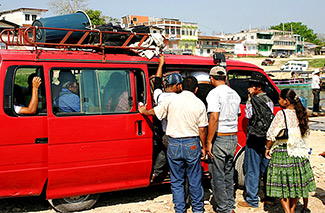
(19, 99)
(115, 95)
(68, 100)
(63, 75)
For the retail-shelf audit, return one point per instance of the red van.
(74, 156)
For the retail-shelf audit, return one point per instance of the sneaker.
(243, 204)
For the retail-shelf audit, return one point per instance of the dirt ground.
(278, 61)
(158, 198)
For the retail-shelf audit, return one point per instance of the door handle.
(41, 140)
(139, 124)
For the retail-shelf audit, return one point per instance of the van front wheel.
(76, 203)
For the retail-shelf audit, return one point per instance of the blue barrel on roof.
(79, 20)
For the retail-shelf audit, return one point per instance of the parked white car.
(295, 66)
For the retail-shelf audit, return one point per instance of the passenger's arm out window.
(26, 96)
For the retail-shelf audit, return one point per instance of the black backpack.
(261, 119)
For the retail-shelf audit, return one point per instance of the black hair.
(189, 83)
(217, 77)
(18, 95)
(301, 112)
(257, 84)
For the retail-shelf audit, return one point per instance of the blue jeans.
(255, 165)
(183, 156)
(221, 168)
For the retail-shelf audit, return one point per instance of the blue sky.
(212, 16)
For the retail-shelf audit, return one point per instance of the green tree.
(96, 17)
(298, 28)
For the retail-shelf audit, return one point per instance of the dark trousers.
(160, 164)
(255, 165)
(316, 93)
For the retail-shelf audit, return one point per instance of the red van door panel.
(23, 158)
(98, 153)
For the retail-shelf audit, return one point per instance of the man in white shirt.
(224, 108)
(173, 86)
(186, 128)
(315, 86)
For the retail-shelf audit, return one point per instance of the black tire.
(76, 203)
(239, 169)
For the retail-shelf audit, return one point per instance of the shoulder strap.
(158, 98)
(285, 119)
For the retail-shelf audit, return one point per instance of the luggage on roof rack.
(96, 40)
(113, 39)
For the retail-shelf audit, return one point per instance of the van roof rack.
(61, 38)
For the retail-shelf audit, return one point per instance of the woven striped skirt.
(289, 177)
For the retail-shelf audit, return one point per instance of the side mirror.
(220, 60)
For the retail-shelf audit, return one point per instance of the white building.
(206, 45)
(22, 16)
(246, 48)
(266, 41)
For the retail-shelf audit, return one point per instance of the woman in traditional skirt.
(289, 174)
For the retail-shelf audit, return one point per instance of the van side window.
(140, 87)
(115, 90)
(92, 91)
(22, 90)
(238, 82)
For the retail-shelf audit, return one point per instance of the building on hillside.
(229, 45)
(181, 36)
(269, 41)
(133, 20)
(22, 16)
(246, 48)
(300, 45)
(206, 45)
(283, 41)
(189, 38)
(265, 42)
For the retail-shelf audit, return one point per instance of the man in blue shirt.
(67, 100)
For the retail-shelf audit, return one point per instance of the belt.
(226, 134)
(185, 137)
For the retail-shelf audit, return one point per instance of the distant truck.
(295, 66)
(267, 62)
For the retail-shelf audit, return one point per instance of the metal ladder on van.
(29, 36)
